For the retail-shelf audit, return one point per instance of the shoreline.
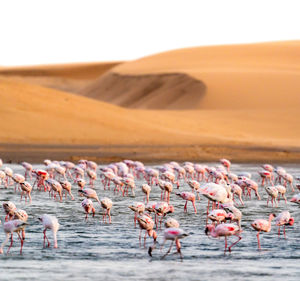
(36, 153)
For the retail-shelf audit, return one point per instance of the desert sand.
(200, 104)
(66, 77)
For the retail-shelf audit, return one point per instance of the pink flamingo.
(173, 234)
(288, 179)
(138, 208)
(50, 222)
(284, 218)
(224, 229)
(146, 189)
(262, 225)
(88, 207)
(80, 183)
(226, 163)
(89, 193)
(281, 191)
(9, 209)
(188, 196)
(161, 209)
(146, 223)
(296, 199)
(237, 190)
(195, 185)
(266, 176)
(67, 186)
(106, 204)
(28, 169)
(92, 175)
(219, 215)
(9, 228)
(55, 187)
(26, 190)
(273, 193)
(170, 222)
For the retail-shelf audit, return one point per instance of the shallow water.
(102, 251)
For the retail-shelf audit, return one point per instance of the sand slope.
(34, 114)
(164, 91)
(250, 76)
(66, 77)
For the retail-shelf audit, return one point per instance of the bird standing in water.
(50, 222)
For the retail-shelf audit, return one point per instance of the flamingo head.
(291, 221)
(209, 228)
(171, 209)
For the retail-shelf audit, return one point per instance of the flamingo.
(296, 199)
(266, 176)
(55, 187)
(224, 229)
(237, 190)
(9, 209)
(188, 196)
(281, 191)
(146, 189)
(106, 204)
(173, 234)
(145, 222)
(162, 209)
(28, 169)
(80, 183)
(284, 218)
(168, 187)
(88, 207)
(18, 179)
(2, 177)
(50, 222)
(218, 215)
(9, 228)
(89, 193)
(251, 184)
(170, 222)
(23, 216)
(288, 179)
(226, 163)
(234, 214)
(273, 193)
(26, 189)
(195, 185)
(262, 225)
(67, 186)
(92, 175)
(138, 208)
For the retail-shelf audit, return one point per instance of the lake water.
(98, 251)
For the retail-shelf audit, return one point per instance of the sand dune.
(250, 76)
(66, 77)
(240, 102)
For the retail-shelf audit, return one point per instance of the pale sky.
(62, 31)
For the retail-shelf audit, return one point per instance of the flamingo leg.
(225, 245)
(45, 237)
(258, 242)
(11, 243)
(229, 249)
(193, 202)
(168, 251)
(22, 242)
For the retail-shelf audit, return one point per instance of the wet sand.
(15, 153)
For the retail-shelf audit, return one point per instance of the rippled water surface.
(95, 250)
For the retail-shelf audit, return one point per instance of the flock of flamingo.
(217, 184)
